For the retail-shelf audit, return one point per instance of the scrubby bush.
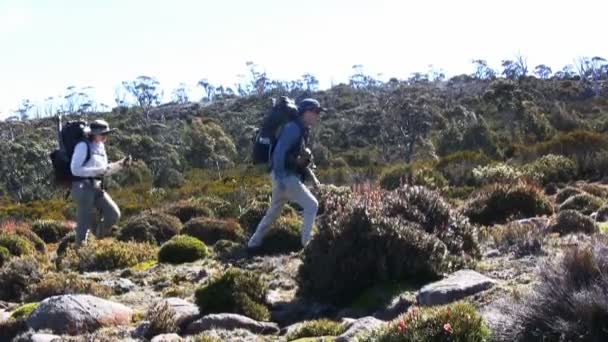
(518, 238)
(595, 190)
(212, 230)
(283, 237)
(551, 168)
(55, 284)
(107, 254)
(229, 250)
(564, 194)
(571, 221)
(496, 173)
(585, 203)
(236, 291)
(150, 227)
(414, 174)
(17, 275)
(5, 255)
(11, 328)
(182, 248)
(186, 210)
(457, 322)
(51, 231)
(501, 203)
(66, 242)
(568, 303)
(32, 238)
(458, 167)
(331, 193)
(16, 244)
(359, 241)
(318, 328)
(602, 214)
(162, 320)
(253, 215)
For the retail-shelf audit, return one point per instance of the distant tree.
(49, 106)
(23, 112)
(180, 94)
(310, 82)
(361, 80)
(515, 69)
(408, 119)
(208, 88)
(567, 72)
(77, 100)
(542, 71)
(146, 91)
(435, 75)
(418, 77)
(482, 70)
(120, 97)
(259, 79)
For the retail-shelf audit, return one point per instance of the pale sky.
(47, 45)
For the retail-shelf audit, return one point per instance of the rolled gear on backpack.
(266, 137)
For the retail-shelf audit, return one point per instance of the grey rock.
(229, 321)
(492, 253)
(119, 286)
(351, 313)
(396, 307)
(78, 314)
(238, 335)
(185, 312)
(167, 338)
(286, 313)
(141, 330)
(4, 316)
(44, 338)
(458, 285)
(361, 326)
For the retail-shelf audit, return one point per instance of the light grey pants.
(88, 195)
(294, 191)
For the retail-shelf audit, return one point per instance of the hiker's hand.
(127, 161)
(114, 167)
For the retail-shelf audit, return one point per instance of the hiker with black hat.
(290, 166)
(89, 165)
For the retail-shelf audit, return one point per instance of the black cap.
(310, 104)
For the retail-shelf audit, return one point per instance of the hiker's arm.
(79, 170)
(289, 136)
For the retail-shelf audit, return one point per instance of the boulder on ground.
(78, 314)
(458, 285)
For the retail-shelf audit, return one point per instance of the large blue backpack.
(69, 136)
(283, 111)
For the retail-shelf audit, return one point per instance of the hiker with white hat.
(89, 165)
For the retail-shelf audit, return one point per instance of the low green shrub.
(496, 173)
(187, 210)
(595, 190)
(16, 244)
(414, 174)
(518, 238)
(317, 328)
(52, 231)
(24, 311)
(572, 221)
(5, 255)
(602, 214)
(551, 168)
(457, 322)
(283, 237)
(162, 320)
(32, 238)
(17, 275)
(567, 192)
(585, 203)
(151, 228)
(181, 249)
(501, 203)
(56, 284)
(229, 250)
(211, 230)
(458, 167)
(66, 242)
(236, 291)
(103, 255)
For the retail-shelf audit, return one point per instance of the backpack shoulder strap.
(86, 160)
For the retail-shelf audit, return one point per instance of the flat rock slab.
(167, 338)
(361, 326)
(231, 322)
(119, 286)
(44, 338)
(458, 285)
(78, 314)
